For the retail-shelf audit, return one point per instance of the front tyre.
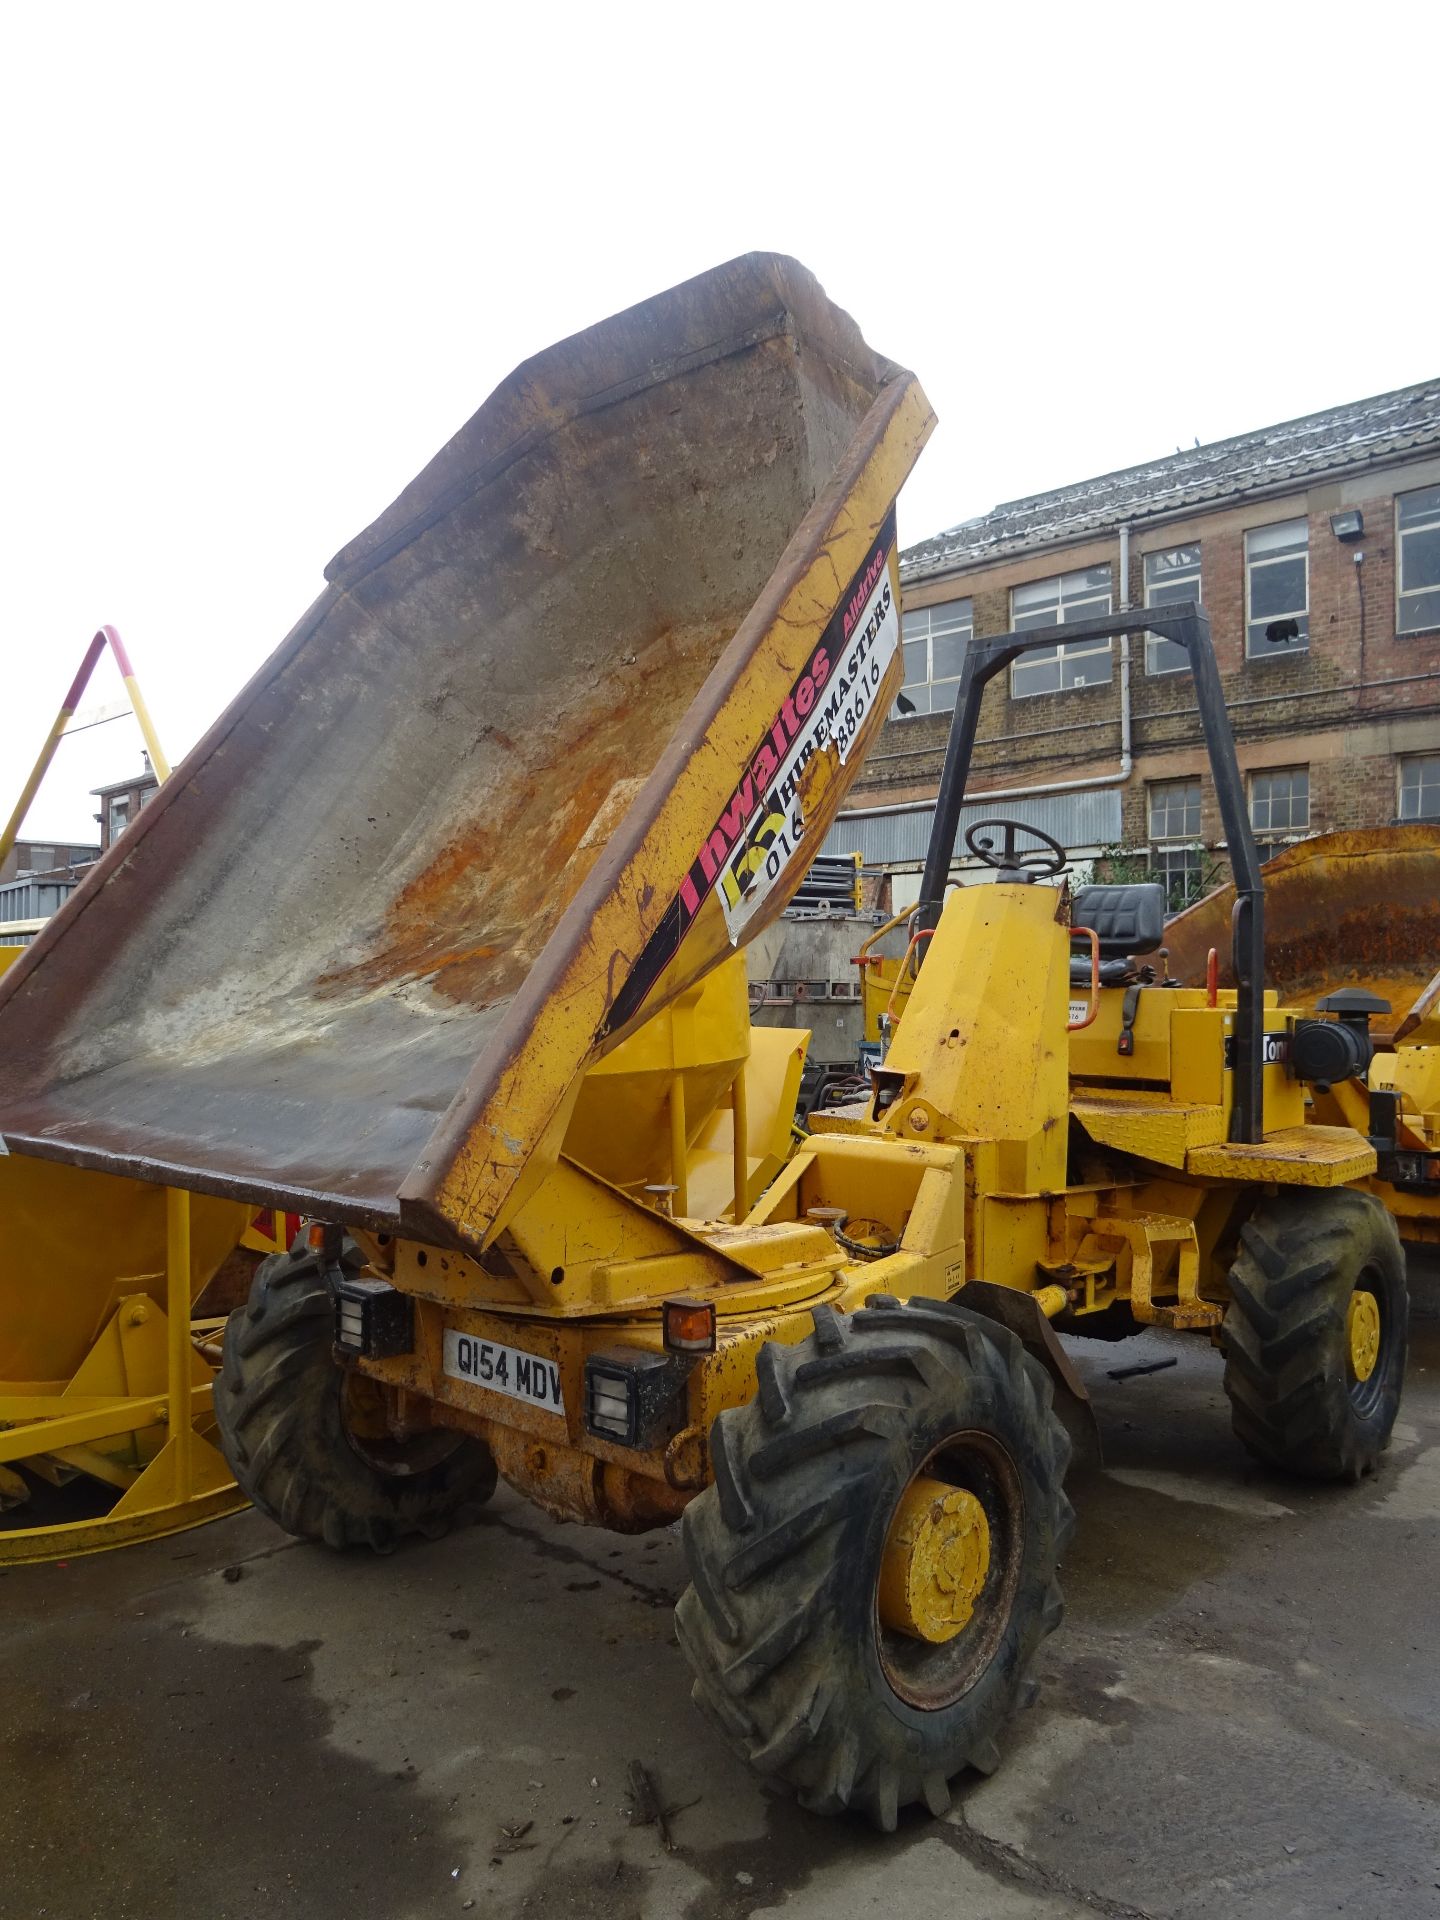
(301, 1432)
(875, 1564)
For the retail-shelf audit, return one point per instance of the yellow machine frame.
(965, 1171)
(103, 1373)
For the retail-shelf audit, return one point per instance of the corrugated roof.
(1390, 424)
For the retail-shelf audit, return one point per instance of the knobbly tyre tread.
(781, 1549)
(278, 1408)
(1285, 1339)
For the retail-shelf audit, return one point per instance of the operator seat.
(1128, 919)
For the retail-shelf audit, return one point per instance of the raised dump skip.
(1359, 908)
(542, 749)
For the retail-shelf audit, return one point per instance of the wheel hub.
(937, 1555)
(1362, 1328)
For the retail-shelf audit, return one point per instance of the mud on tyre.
(783, 1625)
(300, 1438)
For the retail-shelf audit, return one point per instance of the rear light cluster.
(373, 1320)
(636, 1398)
(612, 1401)
(689, 1326)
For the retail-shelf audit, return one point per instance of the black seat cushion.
(1127, 919)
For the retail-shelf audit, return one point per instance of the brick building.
(122, 800)
(1314, 547)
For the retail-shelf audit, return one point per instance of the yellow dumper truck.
(559, 735)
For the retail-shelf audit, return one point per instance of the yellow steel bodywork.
(1356, 908)
(662, 1108)
(1412, 1070)
(501, 1150)
(965, 1174)
(99, 1373)
(91, 1346)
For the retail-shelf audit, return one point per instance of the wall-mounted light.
(1348, 524)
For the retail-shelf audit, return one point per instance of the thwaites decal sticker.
(758, 834)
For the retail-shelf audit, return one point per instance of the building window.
(41, 859)
(1280, 802)
(1169, 576)
(1175, 810)
(119, 816)
(1420, 787)
(934, 641)
(1277, 587)
(1069, 596)
(1175, 817)
(1417, 545)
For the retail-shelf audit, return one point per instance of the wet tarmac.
(1240, 1716)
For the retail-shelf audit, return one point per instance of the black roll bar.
(1189, 627)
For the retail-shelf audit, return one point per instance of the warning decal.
(758, 833)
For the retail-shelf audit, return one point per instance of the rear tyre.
(784, 1625)
(301, 1440)
(1316, 1333)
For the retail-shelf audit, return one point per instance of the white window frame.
(1073, 589)
(1417, 760)
(1155, 641)
(1167, 788)
(1186, 842)
(954, 630)
(1264, 649)
(120, 804)
(1192, 854)
(1267, 831)
(1428, 525)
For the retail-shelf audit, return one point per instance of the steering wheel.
(1040, 863)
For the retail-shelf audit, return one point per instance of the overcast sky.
(260, 262)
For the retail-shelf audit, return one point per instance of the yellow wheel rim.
(1362, 1328)
(937, 1555)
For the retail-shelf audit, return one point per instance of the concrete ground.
(1240, 1716)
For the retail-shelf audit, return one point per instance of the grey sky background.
(260, 261)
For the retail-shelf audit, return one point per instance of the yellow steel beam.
(127, 1413)
(179, 1353)
(107, 636)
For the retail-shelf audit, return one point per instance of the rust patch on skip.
(473, 919)
(1358, 908)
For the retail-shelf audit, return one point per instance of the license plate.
(485, 1363)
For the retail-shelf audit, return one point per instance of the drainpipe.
(1127, 759)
